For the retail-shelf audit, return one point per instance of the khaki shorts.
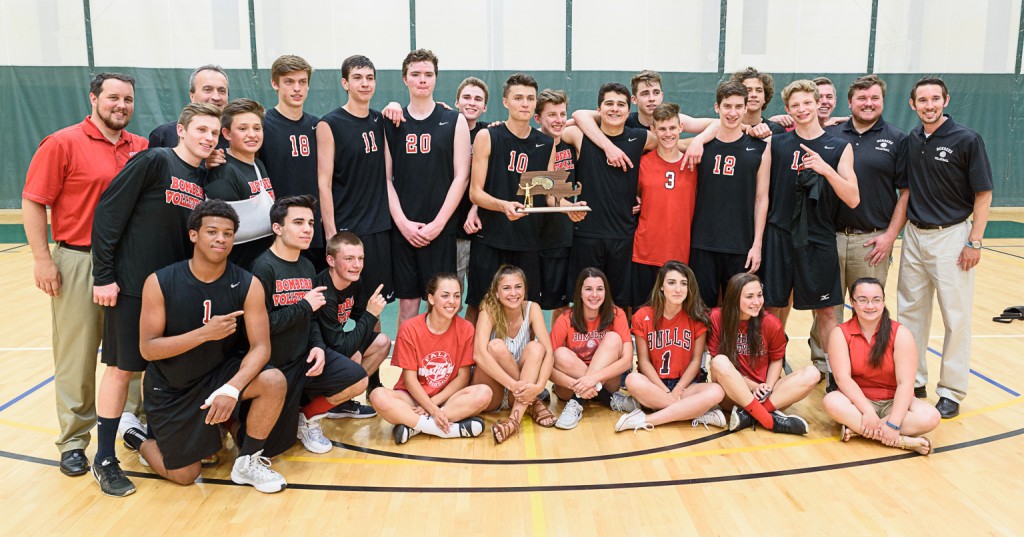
(883, 407)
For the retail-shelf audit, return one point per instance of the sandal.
(927, 445)
(846, 433)
(506, 428)
(540, 414)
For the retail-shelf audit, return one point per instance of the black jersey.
(462, 212)
(633, 122)
(773, 126)
(422, 153)
(235, 181)
(511, 156)
(786, 157)
(359, 185)
(556, 228)
(723, 218)
(289, 154)
(293, 330)
(188, 305)
(141, 219)
(166, 135)
(879, 160)
(343, 305)
(609, 191)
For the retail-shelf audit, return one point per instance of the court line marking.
(30, 391)
(578, 487)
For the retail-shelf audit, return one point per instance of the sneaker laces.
(702, 420)
(259, 467)
(316, 433)
(645, 426)
(574, 408)
(620, 402)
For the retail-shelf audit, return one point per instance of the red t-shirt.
(668, 193)
(436, 359)
(877, 384)
(70, 170)
(584, 345)
(773, 339)
(670, 344)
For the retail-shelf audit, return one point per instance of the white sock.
(427, 425)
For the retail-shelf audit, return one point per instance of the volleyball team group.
(241, 257)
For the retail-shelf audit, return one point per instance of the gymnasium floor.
(589, 481)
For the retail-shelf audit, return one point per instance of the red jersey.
(584, 344)
(436, 359)
(877, 384)
(70, 170)
(773, 340)
(668, 194)
(670, 344)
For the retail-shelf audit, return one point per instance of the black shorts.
(177, 422)
(643, 276)
(484, 262)
(350, 345)
(339, 373)
(121, 334)
(613, 256)
(811, 272)
(317, 256)
(412, 268)
(554, 268)
(713, 270)
(377, 266)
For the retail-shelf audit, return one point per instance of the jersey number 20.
(411, 146)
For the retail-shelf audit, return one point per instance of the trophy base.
(529, 210)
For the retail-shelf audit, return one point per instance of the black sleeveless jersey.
(786, 157)
(188, 305)
(289, 154)
(293, 327)
(609, 191)
(421, 157)
(633, 122)
(141, 219)
(510, 157)
(723, 219)
(556, 229)
(359, 185)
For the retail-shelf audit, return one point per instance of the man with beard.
(68, 173)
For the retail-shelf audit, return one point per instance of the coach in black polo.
(949, 178)
(865, 235)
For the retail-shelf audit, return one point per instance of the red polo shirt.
(70, 170)
(878, 384)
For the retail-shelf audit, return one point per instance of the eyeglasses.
(864, 301)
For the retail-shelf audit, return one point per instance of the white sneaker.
(129, 421)
(635, 420)
(623, 403)
(255, 470)
(713, 417)
(570, 416)
(312, 435)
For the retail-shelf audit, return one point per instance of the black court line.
(513, 462)
(1004, 253)
(565, 488)
(13, 248)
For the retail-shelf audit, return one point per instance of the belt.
(855, 231)
(84, 249)
(931, 227)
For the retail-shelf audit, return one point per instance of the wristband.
(892, 425)
(227, 390)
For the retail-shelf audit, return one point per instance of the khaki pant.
(851, 267)
(928, 266)
(77, 330)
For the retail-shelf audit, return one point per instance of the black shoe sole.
(74, 473)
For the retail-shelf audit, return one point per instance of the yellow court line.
(27, 427)
(347, 460)
(533, 478)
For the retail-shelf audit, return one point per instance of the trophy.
(548, 184)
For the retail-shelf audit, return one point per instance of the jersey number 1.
(207, 311)
(666, 363)
(302, 145)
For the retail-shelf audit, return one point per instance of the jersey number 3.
(411, 146)
(299, 146)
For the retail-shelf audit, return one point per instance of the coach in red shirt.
(69, 171)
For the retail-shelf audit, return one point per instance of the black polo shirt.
(944, 172)
(879, 157)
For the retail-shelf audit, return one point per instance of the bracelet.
(227, 390)
(892, 425)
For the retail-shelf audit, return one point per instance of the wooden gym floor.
(588, 481)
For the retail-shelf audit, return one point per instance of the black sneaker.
(788, 424)
(545, 396)
(351, 409)
(740, 419)
(831, 386)
(921, 392)
(111, 478)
